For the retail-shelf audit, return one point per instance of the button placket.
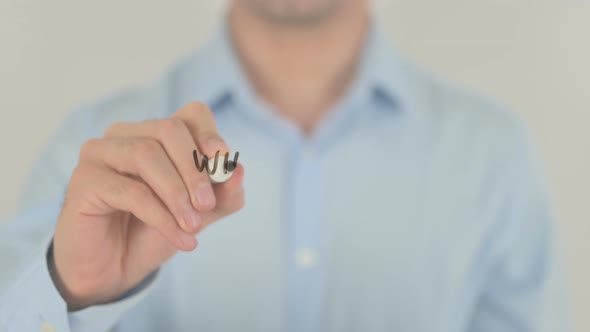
(306, 232)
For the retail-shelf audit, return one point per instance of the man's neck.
(300, 70)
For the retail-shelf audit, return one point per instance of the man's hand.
(134, 199)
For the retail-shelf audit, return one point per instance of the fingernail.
(192, 218)
(187, 240)
(205, 196)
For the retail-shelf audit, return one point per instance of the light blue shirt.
(415, 206)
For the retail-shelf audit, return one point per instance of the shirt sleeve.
(525, 288)
(29, 301)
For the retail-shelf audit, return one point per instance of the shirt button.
(46, 327)
(306, 258)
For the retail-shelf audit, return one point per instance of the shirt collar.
(381, 77)
(214, 75)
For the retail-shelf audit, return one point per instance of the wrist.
(72, 302)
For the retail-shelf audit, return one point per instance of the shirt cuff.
(102, 317)
(34, 304)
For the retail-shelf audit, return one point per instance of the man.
(378, 198)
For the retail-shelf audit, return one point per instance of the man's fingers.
(145, 158)
(179, 145)
(116, 192)
(191, 128)
(201, 123)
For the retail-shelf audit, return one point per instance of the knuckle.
(81, 171)
(114, 129)
(170, 126)
(146, 150)
(197, 106)
(138, 191)
(118, 188)
(88, 147)
(181, 199)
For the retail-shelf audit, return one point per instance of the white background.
(531, 55)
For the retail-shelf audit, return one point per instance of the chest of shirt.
(366, 216)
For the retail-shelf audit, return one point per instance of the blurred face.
(295, 11)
